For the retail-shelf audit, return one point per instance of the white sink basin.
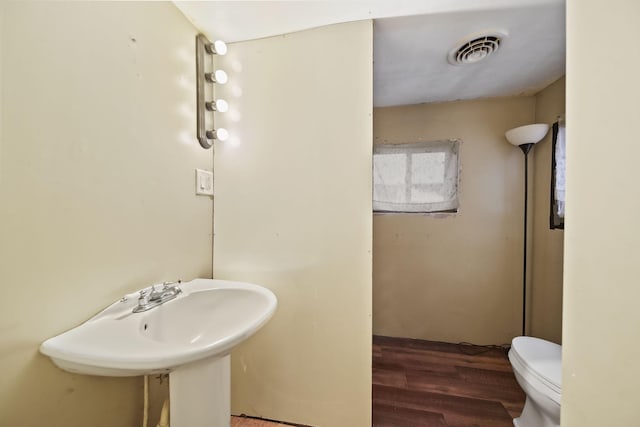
(206, 320)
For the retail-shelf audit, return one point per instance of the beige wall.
(546, 267)
(96, 189)
(601, 319)
(293, 213)
(455, 277)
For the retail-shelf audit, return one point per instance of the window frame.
(556, 222)
(448, 147)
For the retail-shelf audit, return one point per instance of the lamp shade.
(529, 134)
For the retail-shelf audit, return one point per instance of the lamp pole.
(526, 148)
(525, 137)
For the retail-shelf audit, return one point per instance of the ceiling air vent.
(475, 49)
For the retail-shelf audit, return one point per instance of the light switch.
(204, 182)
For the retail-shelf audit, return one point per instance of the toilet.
(537, 365)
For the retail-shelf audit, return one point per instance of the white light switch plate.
(204, 182)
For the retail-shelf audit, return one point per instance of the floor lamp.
(525, 137)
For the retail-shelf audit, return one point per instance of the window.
(420, 177)
(556, 218)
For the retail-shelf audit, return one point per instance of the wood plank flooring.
(423, 383)
(431, 384)
(253, 422)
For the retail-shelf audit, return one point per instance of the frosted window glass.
(391, 169)
(428, 168)
(419, 177)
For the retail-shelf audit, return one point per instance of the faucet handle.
(144, 296)
(167, 285)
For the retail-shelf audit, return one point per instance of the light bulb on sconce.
(221, 134)
(218, 47)
(219, 76)
(219, 105)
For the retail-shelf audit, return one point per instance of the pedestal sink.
(189, 337)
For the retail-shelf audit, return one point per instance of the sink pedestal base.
(199, 394)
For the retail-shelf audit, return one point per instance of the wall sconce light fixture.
(205, 47)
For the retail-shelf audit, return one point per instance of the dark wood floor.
(424, 383)
(240, 421)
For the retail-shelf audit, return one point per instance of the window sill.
(439, 214)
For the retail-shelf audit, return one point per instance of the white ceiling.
(412, 39)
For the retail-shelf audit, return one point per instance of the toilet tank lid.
(542, 357)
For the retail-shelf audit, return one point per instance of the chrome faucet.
(151, 297)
